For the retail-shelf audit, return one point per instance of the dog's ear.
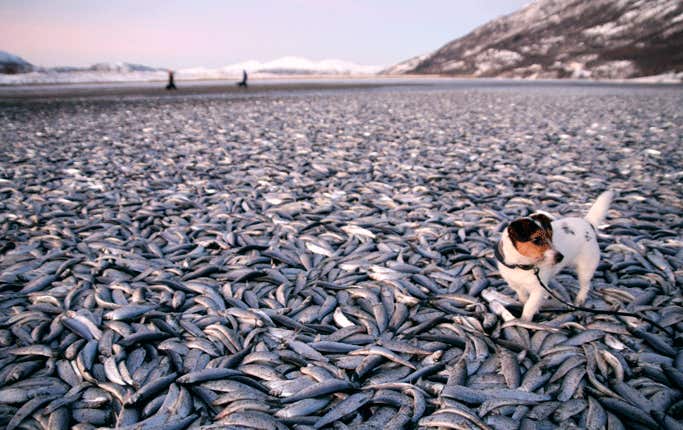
(520, 230)
(545, 222)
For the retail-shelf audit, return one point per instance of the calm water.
(279, 87)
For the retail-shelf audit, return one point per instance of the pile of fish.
(325, 261)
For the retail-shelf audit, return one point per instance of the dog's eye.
(538, 241)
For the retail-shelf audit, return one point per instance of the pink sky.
(218, 32)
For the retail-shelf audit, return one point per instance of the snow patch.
(495, 59)
(664, 78)
(533, 71)
(578, 70)
(299, 65)
(543, 47)
(70, 77)
(575, 69)
(614, 69)
(607, 29)
(452, 66)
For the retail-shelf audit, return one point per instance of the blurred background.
(83, 41)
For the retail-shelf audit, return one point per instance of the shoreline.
(157, 89)
(82, 90)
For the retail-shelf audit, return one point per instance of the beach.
(304, 254)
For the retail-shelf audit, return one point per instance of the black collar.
(498, 252)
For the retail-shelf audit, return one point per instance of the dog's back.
(575, 240)
(573, 237)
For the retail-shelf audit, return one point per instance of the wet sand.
(156, 89)
(264, 87)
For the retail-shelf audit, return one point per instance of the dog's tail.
(597, 212)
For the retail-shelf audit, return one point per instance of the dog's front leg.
(522, 293)
(533, 304)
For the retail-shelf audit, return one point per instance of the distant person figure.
(243, 83)
(171, 82)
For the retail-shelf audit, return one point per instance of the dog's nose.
(558, 257)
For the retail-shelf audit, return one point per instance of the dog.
(540, 245)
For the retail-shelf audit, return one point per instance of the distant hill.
(11, 64)
(405, 66)
(603, 39)
(285, 66)
(125, 72)
(121, 67)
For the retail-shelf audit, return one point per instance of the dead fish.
(279, 268)
(347, 406)
(319, 389)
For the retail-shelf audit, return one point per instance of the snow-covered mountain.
(121, 68)
(405, 66)
(124, 72)
(11, 64)
(285, 66)
(602, 39)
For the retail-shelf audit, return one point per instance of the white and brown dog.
(537, 244)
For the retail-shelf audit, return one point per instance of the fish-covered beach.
(321, 257)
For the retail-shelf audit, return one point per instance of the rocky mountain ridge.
(11, 64)
(602, 39)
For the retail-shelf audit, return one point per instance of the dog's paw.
(580, 299)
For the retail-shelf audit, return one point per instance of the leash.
(596, 311)
(501, 258)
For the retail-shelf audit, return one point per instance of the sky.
(214, 33)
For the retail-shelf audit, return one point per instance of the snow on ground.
(124, 72)
(455, 65)
(665, 78)
(606, 29)
(496, 58)
(70, 77)
(614, 69)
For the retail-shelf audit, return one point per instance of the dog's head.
(532, 237)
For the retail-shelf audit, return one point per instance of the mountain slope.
(10, 64)
(404, 66)
(569, 38)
